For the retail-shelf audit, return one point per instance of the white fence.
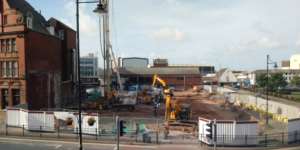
(86, 128)
(32, 120)
(294, 129)
(230, 133)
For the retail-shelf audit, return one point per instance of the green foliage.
(277, 80)
(295, 80)
(261, 80)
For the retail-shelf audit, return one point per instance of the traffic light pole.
(157, 122)
(118, 132)
(215, 133)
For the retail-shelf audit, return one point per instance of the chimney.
(40, 12)
(119, 61)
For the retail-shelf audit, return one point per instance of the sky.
(232, 34)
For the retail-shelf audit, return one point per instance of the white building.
(295, 62)
(88, 70)
(225, 76)
(286, 73)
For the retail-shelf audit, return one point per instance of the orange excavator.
(178, 116)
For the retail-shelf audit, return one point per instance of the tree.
(277, 80)
(261, 80)
(295, 80)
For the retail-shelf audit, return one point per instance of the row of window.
(88, 74)
(9, 68)
(178, 77)
(8, 45)
(5, 97)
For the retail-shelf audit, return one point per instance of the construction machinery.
(177, 117)
(166, 90)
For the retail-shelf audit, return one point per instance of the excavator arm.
(159, 79)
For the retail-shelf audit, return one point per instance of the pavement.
(272, 98)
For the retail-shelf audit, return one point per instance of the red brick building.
(32, 54)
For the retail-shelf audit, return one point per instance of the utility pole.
(118, 131)
(107, 51)
(78, 74)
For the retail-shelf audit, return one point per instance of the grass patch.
(295, 93)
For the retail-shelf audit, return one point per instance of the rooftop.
(159, 71)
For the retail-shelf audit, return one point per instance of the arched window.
(29, 20)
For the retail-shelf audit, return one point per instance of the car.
(236, 86)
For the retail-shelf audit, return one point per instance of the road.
(30, 144)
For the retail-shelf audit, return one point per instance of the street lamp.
(101, 10)
(275, 67)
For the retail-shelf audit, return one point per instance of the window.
(29, 20)
(180, 78)
(95, 73)
(14, 48)
(5, 98)
(15, 65)
(61, 34)
(285, 73)
(8, 45)
(88, 80)
(9, 69)
(5, 20)
(3, 45)
(16, 96)
(3, 69)
(188, 77)
(196, 77)
(29, 23)
(289, 78)
(52, 30)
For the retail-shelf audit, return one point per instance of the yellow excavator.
(180, 116)
(169, 91)
(166, 90)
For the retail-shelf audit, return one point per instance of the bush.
(296, 99)
(274, 94)
(285, 96)
(291, 97)
(278, 95)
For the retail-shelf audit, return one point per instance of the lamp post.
(78, 70)
(101, 10)
(275, 66)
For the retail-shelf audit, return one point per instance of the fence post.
(77, 132)
(58, 132)
(282, 139)
(295, 136)
(96, 133)
(23, 129)
(266, 140)
(6, 129)
(245, 140)
(40, 131)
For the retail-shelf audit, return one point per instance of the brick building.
(32, 50)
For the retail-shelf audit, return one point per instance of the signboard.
(120, 69)
(227, 78)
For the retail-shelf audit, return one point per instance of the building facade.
(89, 71)
(31, 58)
(295, 62)
(225, 77)
(288, 74)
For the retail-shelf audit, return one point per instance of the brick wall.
(43, 57)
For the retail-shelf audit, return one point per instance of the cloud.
(272, 42)
(258, 27)
(65, 21)
(166, 34)
(88, 26)
(298, 41)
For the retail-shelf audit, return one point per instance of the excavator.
(166, 90)
(179, 116)
(156, 93)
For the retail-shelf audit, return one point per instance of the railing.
(70, 133)
(266, 140)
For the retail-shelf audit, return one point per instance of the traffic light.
(122, 127)
(154, 110)
(209, 130)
